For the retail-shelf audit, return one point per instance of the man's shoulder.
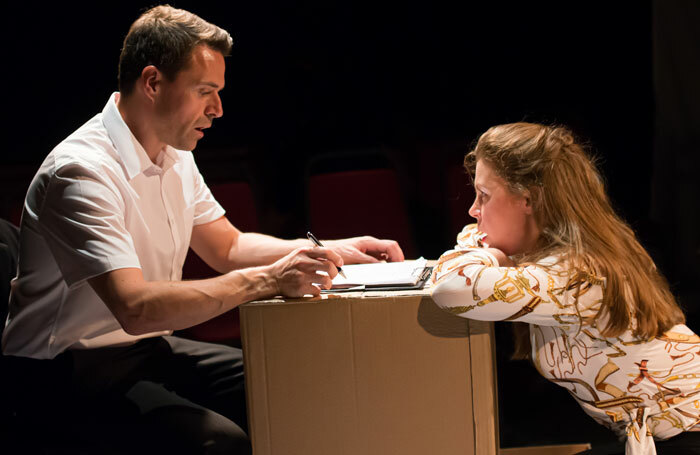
(88, 147)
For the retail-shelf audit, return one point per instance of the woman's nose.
(474, 210)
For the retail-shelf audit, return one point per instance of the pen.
(317, 243)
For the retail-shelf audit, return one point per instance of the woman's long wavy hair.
(578, 223)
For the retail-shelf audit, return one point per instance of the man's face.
(187, 105)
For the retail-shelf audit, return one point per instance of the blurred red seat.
(16, 211)
(359, 202)
(238, 201)
(460, 196)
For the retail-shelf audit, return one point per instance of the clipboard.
(423, 275)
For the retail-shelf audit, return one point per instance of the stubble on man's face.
(188, 104)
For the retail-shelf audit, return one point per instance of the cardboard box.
(368, 373)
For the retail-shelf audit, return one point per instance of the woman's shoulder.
(680, 333)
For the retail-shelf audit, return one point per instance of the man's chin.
(185, 146)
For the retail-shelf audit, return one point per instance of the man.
(105, 230)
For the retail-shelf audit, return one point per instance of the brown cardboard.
(368, 373)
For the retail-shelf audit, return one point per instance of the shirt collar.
(133, 156)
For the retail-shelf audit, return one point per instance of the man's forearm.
(254, 249)
(148, 306)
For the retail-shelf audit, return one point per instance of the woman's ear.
(530, 195)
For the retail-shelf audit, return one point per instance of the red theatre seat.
(238, 201)
(359, 202)
(460, 196)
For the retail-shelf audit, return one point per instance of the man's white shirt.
(99, 204)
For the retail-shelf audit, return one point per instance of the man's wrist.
(252, 283)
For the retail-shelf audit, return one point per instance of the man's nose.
(215, 109)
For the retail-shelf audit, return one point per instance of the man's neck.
(140, 123)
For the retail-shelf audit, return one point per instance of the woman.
(548, 250)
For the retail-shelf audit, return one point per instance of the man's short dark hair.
(165, 37)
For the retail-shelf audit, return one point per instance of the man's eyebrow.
(211, 84)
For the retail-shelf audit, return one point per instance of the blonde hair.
(578, 223)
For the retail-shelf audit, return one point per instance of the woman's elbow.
(460, 305)
(450, 302)
(439, 297)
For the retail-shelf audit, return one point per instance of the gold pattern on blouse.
(631, 385)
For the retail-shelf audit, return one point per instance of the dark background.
(418, 82)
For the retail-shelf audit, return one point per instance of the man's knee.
(227, 443)
(185, 430)
(222, 436)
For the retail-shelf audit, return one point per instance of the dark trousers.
(160, 395)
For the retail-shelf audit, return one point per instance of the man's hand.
(503, 259)
(297, 272)
(359, 250)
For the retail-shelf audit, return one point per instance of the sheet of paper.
(381, 273)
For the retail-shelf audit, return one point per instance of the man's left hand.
(358, 250)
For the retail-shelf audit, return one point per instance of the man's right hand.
(143, 306)
(297, 273)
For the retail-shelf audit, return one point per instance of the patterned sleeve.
(469, 283)
(470, 237)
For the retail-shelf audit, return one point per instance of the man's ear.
(150, 81)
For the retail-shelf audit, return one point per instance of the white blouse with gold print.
(637, 388)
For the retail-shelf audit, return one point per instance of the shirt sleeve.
(81, 219)
(469, 283)
(206, 208)
(470, 237)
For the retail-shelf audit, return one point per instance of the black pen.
(317, 243)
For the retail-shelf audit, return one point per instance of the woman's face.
(505, 217)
